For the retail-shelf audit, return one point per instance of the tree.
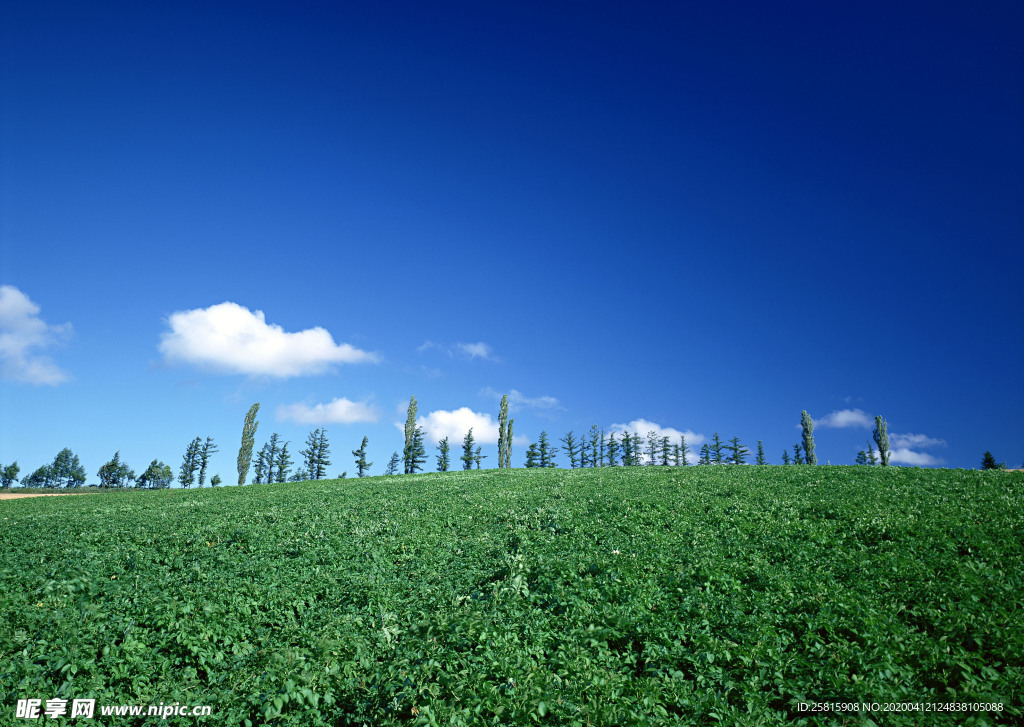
(988, 462)
(443, 459)
(157, 475)
(300, 476)
(9, 475)
(613, 450)
(215, 481)
(478, 456)
(547, 455)
(796, 454)
(532, 455)
(739, 451)
(881, 437)
(508, 444)
(467, 450)
(248, 440)
(594, 442)
(270, 453)
(683, 450)
(260, 471)
(760, 453)
(785, 456)
(316, 455)
(393, 464)
(115, 473)
(362, 466)
(66, 470)
(571, 448)
(189, 463)
(716, 449)
(872, 457)
(283, 462)
(862, 457)
(502, 431)
(204, 456)
(705, 454)
(653, 444)
(666, 450)
(807, 425)
(417, 454)
(410, 436)
(42, 477)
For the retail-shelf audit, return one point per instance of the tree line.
(273, 462)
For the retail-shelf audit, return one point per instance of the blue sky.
(687, 217)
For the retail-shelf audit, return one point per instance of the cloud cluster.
(22, 334)
(471, 351)
(902, 449)
(230, 338)
(337, 411)
(642, 427)
(455, 423)
(517, 401)
(846, 418)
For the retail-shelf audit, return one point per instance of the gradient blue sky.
(688, 217)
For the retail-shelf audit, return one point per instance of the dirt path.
(18, 496)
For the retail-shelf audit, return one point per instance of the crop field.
(614, 596)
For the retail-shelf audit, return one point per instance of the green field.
(640, 595)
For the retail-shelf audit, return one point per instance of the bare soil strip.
(17, 496)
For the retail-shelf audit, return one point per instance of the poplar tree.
(807, 425)
(881, 437)
(362, 466)
(547, 456)
(410, 435)
(443, 462)
(248, 440)
(508, 444)
(204, 456)
(467, 450)
(760, 453)
(502, 430)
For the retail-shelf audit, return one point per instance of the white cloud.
(454, 424)
(338, 411)
(228, 337)
(517, 401)
(21, 331)
(476, 350)
(846, 418)
(902, 455)
(642, 427)
(914, 440)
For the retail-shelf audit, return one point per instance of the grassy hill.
(653, 595)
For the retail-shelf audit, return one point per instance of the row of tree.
(595, 449)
